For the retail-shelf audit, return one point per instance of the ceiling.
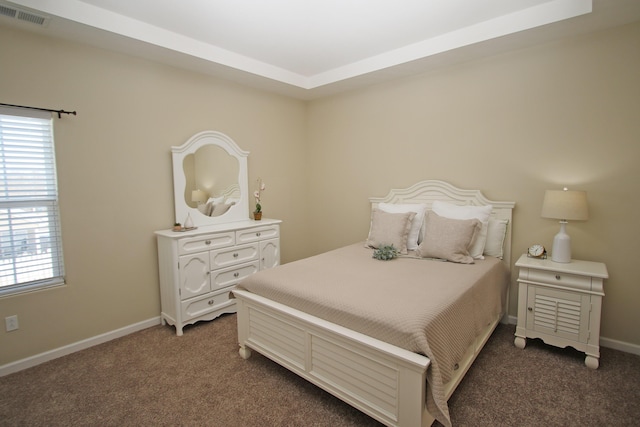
(313, 48)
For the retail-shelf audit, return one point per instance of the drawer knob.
(258, 234)
(529, 308)
(236, 274)
(235, 255)
(557, 277)
(211, 302)
(207, 242)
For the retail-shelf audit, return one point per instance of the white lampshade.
(198, 196)
(564, 205)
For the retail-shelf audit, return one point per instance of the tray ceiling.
(312, 48)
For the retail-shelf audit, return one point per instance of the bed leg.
(245, 352)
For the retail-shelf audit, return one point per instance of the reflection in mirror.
(211, 180)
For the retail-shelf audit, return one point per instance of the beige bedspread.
(430, 307)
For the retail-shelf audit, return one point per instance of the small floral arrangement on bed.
(258, 194)
(385, 253)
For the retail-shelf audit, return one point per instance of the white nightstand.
(561, 303)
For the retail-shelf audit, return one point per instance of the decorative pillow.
(216, 200)
(416, 224)
(482, 213)
(220, 209)
(390, 229)
(496, 232)
(448, 238)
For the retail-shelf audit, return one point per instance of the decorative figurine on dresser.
(217, 244)
(560, 299)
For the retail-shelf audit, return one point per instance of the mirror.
(210, 180)
(211, 175)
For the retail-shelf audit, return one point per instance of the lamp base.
(561, 251)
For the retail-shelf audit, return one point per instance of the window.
(30, 238)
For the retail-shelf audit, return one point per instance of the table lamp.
(198, 196)
(564, 205)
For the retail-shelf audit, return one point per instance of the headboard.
(431, 190)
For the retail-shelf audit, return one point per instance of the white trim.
(627, 347)
(623, 346)
(31, 361)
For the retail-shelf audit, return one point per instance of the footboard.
(386, 382)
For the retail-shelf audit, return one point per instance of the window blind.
(30, 235)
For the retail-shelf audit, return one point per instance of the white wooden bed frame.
(384, 381)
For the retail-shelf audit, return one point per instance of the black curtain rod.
(60, 112)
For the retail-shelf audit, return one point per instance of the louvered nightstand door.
(559, 313)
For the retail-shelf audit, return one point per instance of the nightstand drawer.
(574, 281)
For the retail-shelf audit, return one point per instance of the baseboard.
(604, 342)
(620, 345)
(29, 362)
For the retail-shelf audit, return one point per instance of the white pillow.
(482, 213)
(496, 232)
(216, 200)
(418, 220)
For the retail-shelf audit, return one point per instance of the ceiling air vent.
(23, 15)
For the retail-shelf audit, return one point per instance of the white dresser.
(199, 268)
(560, 303)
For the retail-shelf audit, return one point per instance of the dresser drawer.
(196, 307)
(227, 257)
(231, 276)
(206, 242)
(574, 281)
(257, 233)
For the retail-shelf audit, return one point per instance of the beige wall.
(512, 125)
(115, 177)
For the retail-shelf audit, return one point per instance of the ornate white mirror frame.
(239, 210)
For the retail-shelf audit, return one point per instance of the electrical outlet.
(11, 322)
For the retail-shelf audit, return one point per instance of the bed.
(391, 338)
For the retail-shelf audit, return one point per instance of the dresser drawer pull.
(211, 302)
(236, 274)
(207, 242)
(258, 234)
(557, 277)
(235, 255)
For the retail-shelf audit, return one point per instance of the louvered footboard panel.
(381, 380)
(284, 340)
(376, 383)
